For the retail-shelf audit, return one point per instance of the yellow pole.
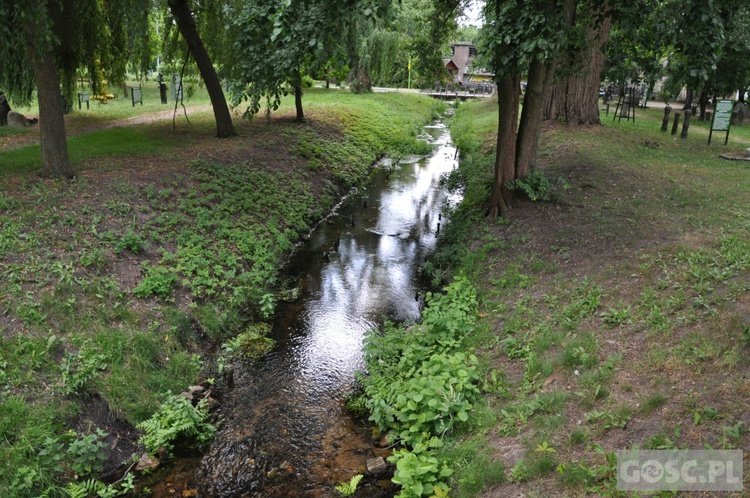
(409, 79)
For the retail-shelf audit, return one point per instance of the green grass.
(130, 141)
(629, 303)
(119, 283)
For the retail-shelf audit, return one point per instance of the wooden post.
(675, 123)
(685, 125)
(665, 121)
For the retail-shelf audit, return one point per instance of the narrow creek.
(284, 430)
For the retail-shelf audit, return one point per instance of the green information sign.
(722, 120)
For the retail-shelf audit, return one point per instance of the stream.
(283, 430)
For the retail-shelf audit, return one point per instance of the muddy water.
(284, 431)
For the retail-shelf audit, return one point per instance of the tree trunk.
(298, 97)
(703, 102)
(688, 99)
(538, 83)
(55, 158)
(360, 79)
(575, 99)
(505, 159)
(185, 22)
(4, 110)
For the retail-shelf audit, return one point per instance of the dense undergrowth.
(614, 316)
(421, 381)
(115, 286)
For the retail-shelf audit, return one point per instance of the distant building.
(461, 67)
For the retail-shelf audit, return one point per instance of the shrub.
(538, 187)
(421, 383)
(158, 281)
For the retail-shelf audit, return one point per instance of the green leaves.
(516, 32)
(419, 474)
(276, 41)
(176, 417)
(422, 383)
(227, 253)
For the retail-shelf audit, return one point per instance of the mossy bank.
(121, 286)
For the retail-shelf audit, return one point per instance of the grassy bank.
(116, 287)
(615, 316)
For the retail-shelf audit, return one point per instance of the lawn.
(616, 315)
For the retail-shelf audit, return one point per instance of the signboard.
(722, 119)
(136, 95)
(176, 87)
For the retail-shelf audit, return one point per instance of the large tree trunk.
(360, 79)
(538, 86)
(505, 159)
(184, 18)
(55, 158)
(538, 83)
(575, 99)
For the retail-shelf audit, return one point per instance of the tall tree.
(276, 40)
(183, 17)
(55, 158)
(44, 48)
(694, 53)
(575, 92)
(516, 34)
(634, 52)
(428, 45)
(544, 61)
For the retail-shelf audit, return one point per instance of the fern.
(348, 488)
(84, 489)
(176, 417)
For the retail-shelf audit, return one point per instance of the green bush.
(421, 383)
(307, 81)
(131, 241)
(538, 187)
(87, 453)
(78, 370)
(158, 281)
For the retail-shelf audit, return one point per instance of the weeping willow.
(96, 39)
(386, 56)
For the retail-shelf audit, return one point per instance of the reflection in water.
(285, 430)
